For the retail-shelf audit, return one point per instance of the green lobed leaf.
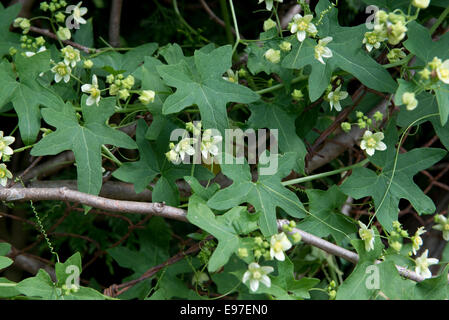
(265, 195)
(346, 56)
(84, 140)
(202, 84)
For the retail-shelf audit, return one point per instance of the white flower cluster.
(209, 144)
(5, 152)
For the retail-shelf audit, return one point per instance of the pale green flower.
(335, 97)
(278, 244)
(269, 3)
(442, 225)
(417, 240)
(397, 32)
(4, 145)
(408, 98)
(93, 91)
(5, 174)
(395, 55)
(274, 56)
(302, 26)
(232, 76)
(199, 278)
(256, 274)
(62, 72)
(366, 235)
(372, 40)
(423, 263)
(147, 96)
(443, 71)
(321, 51)
(71, 55)
(372, 142)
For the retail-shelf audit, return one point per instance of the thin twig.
(50, 34)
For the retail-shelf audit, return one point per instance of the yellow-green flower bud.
(63, 33)
(297, 95)
(274, 56)
(88, 64)
(408, 98)
(296, 237)
(346, 126)
(242, 252)
(12, 51)
(257, 254)
(60, 17)
(258, 241)
(395, 55)
(285, 46)
(123, 94)
(128, 82)
(147, 96)
(44, 6)
(421, 4)
(268, 24)
(425, 74)
(396, 245)
(378, 116)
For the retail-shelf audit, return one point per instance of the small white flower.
(232, 76)
(408, 98)
(256, 274)
(443, 71)
(321, 51)
(209, 143)
(366, 235)
(93, 91)
(62, 71)
(172, 155)
(335, 97)
(71, 56)
(417, 240)
(77, 12)
(269, 3)
(423, 263)
(31, 53)
(302, 26)
(5, 174)
(372, 142)
(279, 243)
(372, 40)
(4, 145)
(274, 56)
(184, 147)
(442, 225)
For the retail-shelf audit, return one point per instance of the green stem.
(110, 156)
(440, 20)
(324, 174)
(23, 148)
(236, 27)
(281, 85)
(184, 22)
(227, 21)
